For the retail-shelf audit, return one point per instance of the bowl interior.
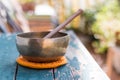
(34, 35)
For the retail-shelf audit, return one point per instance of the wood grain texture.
(8, 54)
(34, 74)
(81, 65)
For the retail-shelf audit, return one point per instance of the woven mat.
(23, 62)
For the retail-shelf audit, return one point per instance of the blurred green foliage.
(102, 22)
(25, 1)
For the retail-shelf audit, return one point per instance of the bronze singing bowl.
(33, 47)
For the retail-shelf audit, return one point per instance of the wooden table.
(112, 62)
(80, 66)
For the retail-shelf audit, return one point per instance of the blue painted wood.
(34, 74)
(64, 73)
(8, 54)
(81, 65)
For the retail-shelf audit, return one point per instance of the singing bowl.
(33, 47)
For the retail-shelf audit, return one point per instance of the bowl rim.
(18, 35)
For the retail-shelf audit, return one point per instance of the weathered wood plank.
(8, 54)
(63, 73)
(34, 74)
(81, 65)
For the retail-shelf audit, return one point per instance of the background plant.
(102, 21)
